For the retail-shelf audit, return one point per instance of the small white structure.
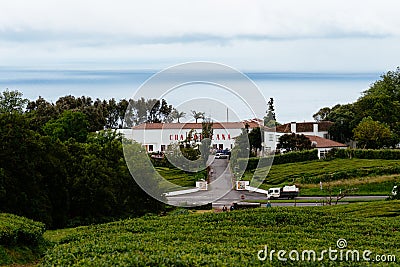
(324, 145)
(202, 185)
(241, 185)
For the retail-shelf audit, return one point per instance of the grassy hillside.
(229, 239)
(339, 173)
(181, 178)
(21, 239)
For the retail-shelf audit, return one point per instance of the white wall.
(159, 137)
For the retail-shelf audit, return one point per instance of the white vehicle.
(221, 156)
(287, 191)
(395, 191)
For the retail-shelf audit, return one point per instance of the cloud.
(196, 21)
(251, 35)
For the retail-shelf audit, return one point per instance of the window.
(215, 146)
(151, 148)
(162, 148)
(271, 137)
(221, 146)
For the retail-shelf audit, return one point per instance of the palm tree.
(175, 114)
(180, 115)
(197, 115)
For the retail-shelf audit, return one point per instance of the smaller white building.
(317, 132)
(324, 145)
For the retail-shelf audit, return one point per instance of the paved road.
(220, 185)
(221, 192)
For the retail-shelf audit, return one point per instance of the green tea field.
(232, 238)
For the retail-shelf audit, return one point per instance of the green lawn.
(230, 238)
(359, 173)
(181, 178)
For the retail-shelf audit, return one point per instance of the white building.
(324, 145)
(317, 132)
(157, 136)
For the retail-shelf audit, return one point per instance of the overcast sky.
(302, 36)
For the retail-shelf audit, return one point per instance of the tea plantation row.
(229, 239)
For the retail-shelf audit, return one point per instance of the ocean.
(297, 96)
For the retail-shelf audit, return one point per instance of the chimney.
(293, 127)
(315, 128)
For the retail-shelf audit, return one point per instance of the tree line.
(373, 120)
(59, 165)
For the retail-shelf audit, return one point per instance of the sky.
(265, 36)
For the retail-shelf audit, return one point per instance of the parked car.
(221, 156)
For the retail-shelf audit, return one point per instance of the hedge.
(367, 153)
(16, 230)
(354, 173)
(290, 157)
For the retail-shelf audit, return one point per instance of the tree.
(12, 101)
(111, 114)
(256, 139)
(270, 118)
(372, 134)
(294, 142)
(69, 125)
(343, 118)
(121, 108)
(322, 114)
(206, 133)
(381, 102)
(197, 115)
(40, 111)
(176, 115)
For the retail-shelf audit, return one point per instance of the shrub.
(290, 157)
(367, 153)
(16, 230)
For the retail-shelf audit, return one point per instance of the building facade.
(156, 137)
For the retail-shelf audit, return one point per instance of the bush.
(16, 230)
(290, 157)
(367, 153)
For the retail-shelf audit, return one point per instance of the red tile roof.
(193, 125)
(324, 143)
(303, 127)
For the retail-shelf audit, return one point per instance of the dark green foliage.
(69, 125)
(381, 102)
(294, 142)
(256, 137)
(21, 240)
(366, 153)
(372, 134)
(66, 182)
(291, 157)
(16, 230)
